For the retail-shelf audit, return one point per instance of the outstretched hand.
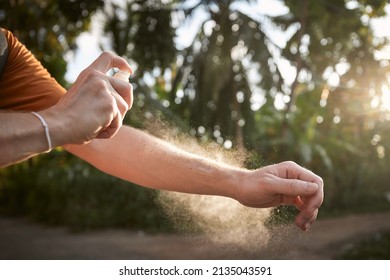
(285, 183)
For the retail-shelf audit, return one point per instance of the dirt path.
(22, 239)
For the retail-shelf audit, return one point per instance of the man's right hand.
(94, 106)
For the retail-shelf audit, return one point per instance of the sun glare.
(385, 98)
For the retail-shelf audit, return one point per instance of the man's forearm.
(145, 160)
(22, 135)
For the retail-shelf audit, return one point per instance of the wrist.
(56, 127)
(235, 183)
(46, 129)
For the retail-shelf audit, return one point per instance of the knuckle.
(318, 203)
(321, 182)
(310, 213)
(311, 210)
(289, 163)
(107, 107)
(99, 86)
(128, 87)
(92, 76)
(107, 55)
(124, 105)
(292, 186)
(111, 104)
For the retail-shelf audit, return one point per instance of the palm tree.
(226, 64)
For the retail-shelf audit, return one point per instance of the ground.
(23, 239)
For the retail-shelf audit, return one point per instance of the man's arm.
(92, 108)
(22, 136)
(138, 157)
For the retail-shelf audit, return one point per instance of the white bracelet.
(46, 130)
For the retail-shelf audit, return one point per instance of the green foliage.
(282, 215)
(216, 86)
(143, 33)
(49, 28)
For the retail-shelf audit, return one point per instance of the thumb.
(109, 60)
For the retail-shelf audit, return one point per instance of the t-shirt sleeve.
(25, 84)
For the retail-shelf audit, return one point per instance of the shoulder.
(25, 84)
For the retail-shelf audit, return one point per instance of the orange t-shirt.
(25, 84)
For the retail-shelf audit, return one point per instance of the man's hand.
(95, 105)
(285, 183)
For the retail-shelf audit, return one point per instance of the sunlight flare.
(385, 98)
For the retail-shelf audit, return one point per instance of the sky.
(89, 49)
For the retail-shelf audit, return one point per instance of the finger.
(124, 90)
(291, 170)
(108, 60)
(293, 187)
(311, 197)
(112, 126)
(112, 129)
(309, 210)
(303, 221)
(121, 104)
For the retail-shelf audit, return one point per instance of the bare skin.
(92, 108)
(87, 122)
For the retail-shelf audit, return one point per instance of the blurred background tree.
(307, 84)
(49, 28)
